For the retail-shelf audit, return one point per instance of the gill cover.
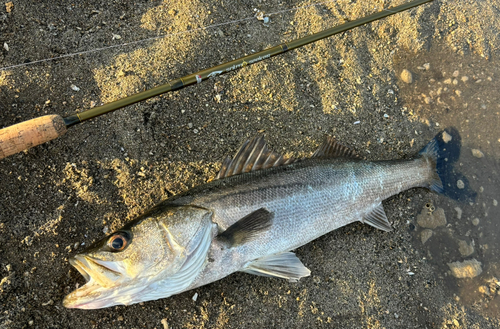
(155, 256)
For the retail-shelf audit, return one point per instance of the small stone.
(459, 212)
(456, 323)
(116, 37)
(164, 323)
(396, 315)
(495, 202)
(427, 66)
(5, 46)
(75, 88)
(466, 269)
(455, 82)
(477, 153)
(195, 297)
(8, 7)
(406, 76)
(120, 318)
(460, 184)
(427, 100)
(425, 235)
(446, 137)
(458, 93)
(455, 74)
(427, 219)
(447, 81)
(475, 221)
(481, 189)
(483, 290)
(465, 78)
(464, 248)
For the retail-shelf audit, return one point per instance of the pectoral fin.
(285, 265)
(247, 228)
(378, 219)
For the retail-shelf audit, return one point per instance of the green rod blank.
(233, 65)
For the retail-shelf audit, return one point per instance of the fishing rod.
(37, 131)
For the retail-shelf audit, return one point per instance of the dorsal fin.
(332, 148)
(252, 155)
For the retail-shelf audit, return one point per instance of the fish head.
(155, 256)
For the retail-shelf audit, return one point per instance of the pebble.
(427, 66)
(8, 8)
(475, 221)
(5, 46)
(464, 248)
(75, 88)
(477, 153)
(425, 235)
(459, 212)
(495, 202)
(447, 81)
(427, 219)
(483, 290)
(455, 74)
(195, 297)
(458, 92)
(164, 323)
(406, 76)
(465, 78)
(460, 184)
(466, 269)
(446, 137)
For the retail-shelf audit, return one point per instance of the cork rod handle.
(30, 133)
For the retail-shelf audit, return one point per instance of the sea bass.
(260, 207)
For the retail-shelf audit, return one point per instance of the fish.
(258, 209)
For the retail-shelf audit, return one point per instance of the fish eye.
(118, 242)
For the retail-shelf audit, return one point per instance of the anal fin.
(285, 265)
(378, 219)
(247, 228)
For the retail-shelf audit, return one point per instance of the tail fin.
(444, 150)
(431, 152)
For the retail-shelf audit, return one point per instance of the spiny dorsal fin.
(331, 148)
(247, 228)
(378, 219)
(285, 265)
(252, 155)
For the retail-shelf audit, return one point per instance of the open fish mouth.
(101, 276)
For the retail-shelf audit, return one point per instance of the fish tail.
(433, 154)
(442, 153)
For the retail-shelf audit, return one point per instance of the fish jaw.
(104, 287)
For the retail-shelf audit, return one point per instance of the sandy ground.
(59, 197)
